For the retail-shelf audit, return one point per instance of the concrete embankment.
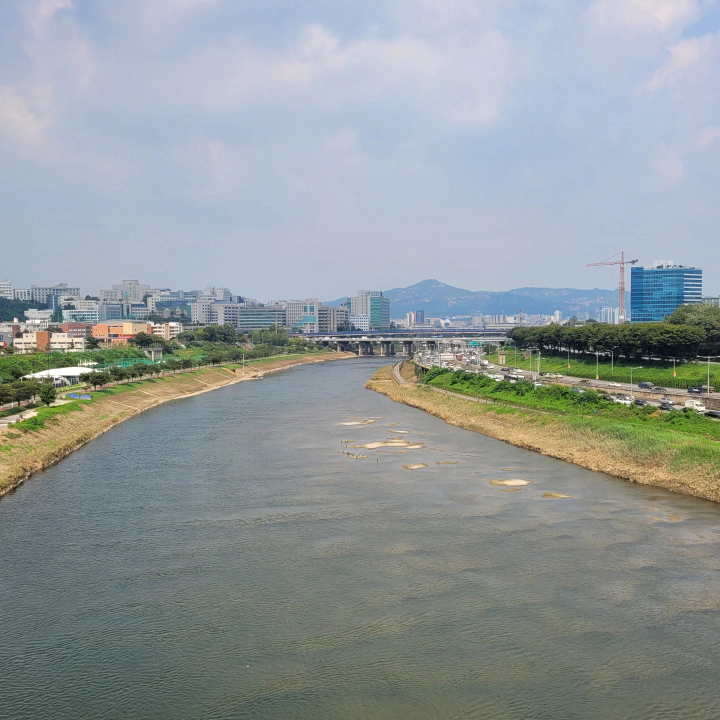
(25, 453)
(557, 437)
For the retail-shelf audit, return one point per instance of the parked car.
(713, 414)
(694, 391)
(646, 385)
(641, 403)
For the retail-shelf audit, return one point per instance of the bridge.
(388, 342)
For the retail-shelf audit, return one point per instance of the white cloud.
(17, 119)
(708, 135)
(643, 16)
(683, 56)
(40, 13)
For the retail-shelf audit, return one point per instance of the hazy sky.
(292, 148)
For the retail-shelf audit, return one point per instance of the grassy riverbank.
(55, 432)
(681, 458)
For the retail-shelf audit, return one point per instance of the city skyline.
(368, 145)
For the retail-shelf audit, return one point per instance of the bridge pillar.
(365, 347)
(407, 347)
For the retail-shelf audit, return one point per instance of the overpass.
(387, 342)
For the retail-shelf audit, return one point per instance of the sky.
(310, 148)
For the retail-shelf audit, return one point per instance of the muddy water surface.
(234, 556)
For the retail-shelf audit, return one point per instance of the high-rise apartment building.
(657, 291)
(370, 304)
(609, 315)
(6, 290)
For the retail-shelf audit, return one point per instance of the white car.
(624, 399)
(538, 384)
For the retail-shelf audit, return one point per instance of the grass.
(590, 407)
(45, 414)
(658, 372)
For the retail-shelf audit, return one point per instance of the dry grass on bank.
(683, 464)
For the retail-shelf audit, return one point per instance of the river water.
(219, 557)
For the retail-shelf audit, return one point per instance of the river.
(220, 557)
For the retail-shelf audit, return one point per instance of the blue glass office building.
(655, 292)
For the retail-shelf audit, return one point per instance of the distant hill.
(440, 300)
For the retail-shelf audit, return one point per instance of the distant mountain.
(440, 300)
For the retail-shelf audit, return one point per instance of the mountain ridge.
(439, 299)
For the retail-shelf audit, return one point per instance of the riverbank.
(687, 465)
(56, 432)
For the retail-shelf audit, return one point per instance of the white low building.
(61, 377)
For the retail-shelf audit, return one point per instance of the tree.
(48, 393)
(143, 340)
(92, 343)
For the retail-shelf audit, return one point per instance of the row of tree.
(664, 340)
(27, 391)
(690, 331)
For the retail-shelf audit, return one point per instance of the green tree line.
(690, 331)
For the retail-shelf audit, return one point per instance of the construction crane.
(622, 262)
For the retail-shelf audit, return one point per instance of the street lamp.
(707, 357)
(639, 367)
(531, 351)
(597, 365)
(612, 360)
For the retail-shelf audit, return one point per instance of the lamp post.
(531, 351)
(639, 367)
(708, 357)
(597, 365)
(612, 360)
(568, 352)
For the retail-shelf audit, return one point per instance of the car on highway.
(538, 384)
(659, 389)
(694, 391)
(646, 385)
(641, 403)
(584, 382)
(715, 414)
(667, 400)
(614, 384)
(624, 399)
(666, 406)
(579, 391)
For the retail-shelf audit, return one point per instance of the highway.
(676, 395)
